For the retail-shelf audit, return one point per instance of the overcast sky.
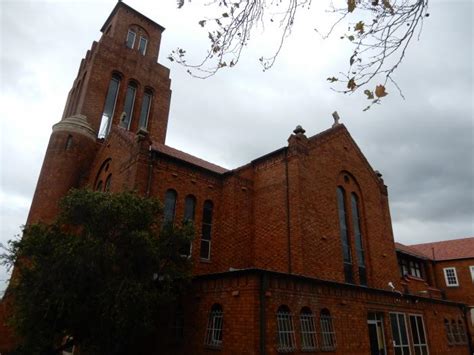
(422, 145)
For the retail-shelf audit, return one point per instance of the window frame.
(344, 235)
(285, 330)
(168, 218)
(129, 115)
(145, 116)
(104, 127)
(328, 333)
(206, 225)
(400, 346)
(130, 31)
(446, 276)
(420, 346)
(378, 320)
(309, 339)
(142, 52)
(215, 327)
(471, 269)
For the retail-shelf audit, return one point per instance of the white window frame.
(215, 327)
(446, 270)
(308, 331)
(401, 345)
(285, 332)
(419, 346)
(328, 334)
(378, 322)
(471, 269)
(134, 38)
(146, 45)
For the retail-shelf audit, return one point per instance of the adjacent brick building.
(294, 251)
(446, 267)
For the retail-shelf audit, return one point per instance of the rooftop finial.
(299, 130)
(336, 117)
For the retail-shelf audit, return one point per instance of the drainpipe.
(288, 229)
(262, 313)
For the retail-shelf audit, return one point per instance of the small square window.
(450, 276)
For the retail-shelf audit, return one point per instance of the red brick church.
(294, 251)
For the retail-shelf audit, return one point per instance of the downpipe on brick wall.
(288, 225)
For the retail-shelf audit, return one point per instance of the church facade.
(294, 251)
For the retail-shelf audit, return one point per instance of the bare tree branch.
(379, 37)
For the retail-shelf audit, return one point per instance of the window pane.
(206, 231)
(214, 332)
(170, 205)
(142, 45)
(130, 39)
(144, 112)
(109, 107)
(346, 250)
(395, 330)
(205, 249)
(189, 208)
(128, 106)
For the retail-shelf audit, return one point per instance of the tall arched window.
(170, 206)
(346, 247)
(145, 109)
(189, 211)
(358, 239)
(206, 230)
(215, 326)
(109, 106)
(328, 335)
(108, 181)
(308, 330)
(286, 332)
(128, 105)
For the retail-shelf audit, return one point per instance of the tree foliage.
(97, 275)
(378, 31)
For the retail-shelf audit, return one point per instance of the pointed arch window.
(215, 327)
(170, 206)
(206, 230)
(346, 247)
(107, 184)
(189, 211)
(286, 332)
(358, 239)
(145, 109)
(128, 105)
(109, 106)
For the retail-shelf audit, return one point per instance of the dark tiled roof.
(447, 249)
(410, 251)
(188, 158)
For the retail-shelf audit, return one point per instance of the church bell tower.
(119, 84)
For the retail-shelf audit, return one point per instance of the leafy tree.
(97, 276)
(379, 32)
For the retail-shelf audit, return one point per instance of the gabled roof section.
(188, 158)
(121, 4)
(447, 249)
(405, 249)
